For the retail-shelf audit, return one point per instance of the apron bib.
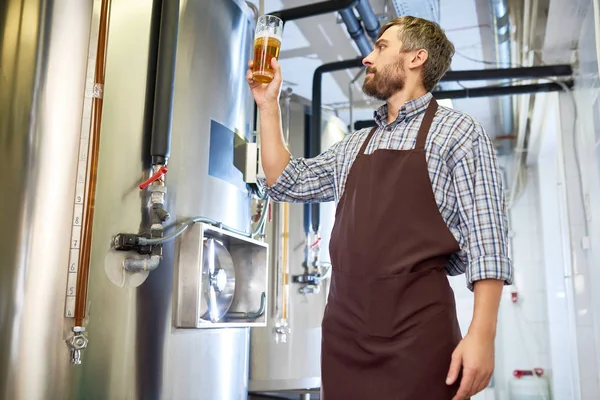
(390, 323)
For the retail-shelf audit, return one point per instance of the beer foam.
(267, 34)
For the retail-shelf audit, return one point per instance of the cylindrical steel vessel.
(134, 350)
(43, 57)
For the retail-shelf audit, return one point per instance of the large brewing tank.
(135, 350)
(293, 365)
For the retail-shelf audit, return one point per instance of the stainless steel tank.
(292, 365)
(134, 351)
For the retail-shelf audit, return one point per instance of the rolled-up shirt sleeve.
(482, 212)
(306, 180)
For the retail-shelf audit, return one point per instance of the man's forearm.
(487, 302)
(274, 154)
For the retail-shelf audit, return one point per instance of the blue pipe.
(369, 19)
(356, 31)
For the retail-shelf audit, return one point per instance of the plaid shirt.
(463, 170)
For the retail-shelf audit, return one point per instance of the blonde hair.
(418, 33)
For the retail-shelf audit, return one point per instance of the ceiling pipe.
(356, 32)
(345, 8)
(369, 19)
(486, 91)
(548, 71)
(311, 10)
(510, 73)
(501, 22)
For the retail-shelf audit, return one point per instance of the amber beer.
(265, 48)
(267, 44)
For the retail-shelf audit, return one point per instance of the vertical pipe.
(502, 37)
(86, 243)
(160, 146)
(351, 97)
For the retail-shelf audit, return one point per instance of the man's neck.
(396, 102)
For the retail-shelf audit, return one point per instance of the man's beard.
(385, 83)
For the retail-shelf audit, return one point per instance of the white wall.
(564, 360)
(523, 340)
(583, 203)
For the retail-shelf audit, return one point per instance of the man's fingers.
(482, 383)
(454, 367)
(466, 384)
(276, 70)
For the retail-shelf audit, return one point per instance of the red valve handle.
(312, 246)
(163, 170)
(519, 373)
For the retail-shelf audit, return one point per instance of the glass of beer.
(267, 44)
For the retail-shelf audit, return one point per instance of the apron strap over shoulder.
(426, 124)
(366, 142)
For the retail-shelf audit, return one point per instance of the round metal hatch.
(218, 281)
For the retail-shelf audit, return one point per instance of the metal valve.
(76, 342)
(160, 172)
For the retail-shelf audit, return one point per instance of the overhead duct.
(345, 8)
(310, 10)
(356, 31)
(427, 9)
(369, 19)
(503, 56)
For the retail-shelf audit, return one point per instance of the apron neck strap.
(366, 142)
(426, 124)
(423, 129)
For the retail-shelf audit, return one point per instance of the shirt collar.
(407, 111)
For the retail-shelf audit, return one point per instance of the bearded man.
(419, 197)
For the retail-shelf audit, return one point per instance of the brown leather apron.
(390, 324)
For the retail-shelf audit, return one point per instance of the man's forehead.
(391, 34)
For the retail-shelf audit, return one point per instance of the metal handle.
(250, 315)
(159, 174)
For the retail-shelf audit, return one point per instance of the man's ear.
(418, 58)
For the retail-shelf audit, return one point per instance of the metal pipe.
(351, 95)
(369, 19)
(510, 73)
(86, 243)
(160, 145)
(483, 74)
(311, 10)
(250, 314)
(488, 91)
(503, 56)
(315, 123)
(356, 32)
(141, 264)
(254, 10)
